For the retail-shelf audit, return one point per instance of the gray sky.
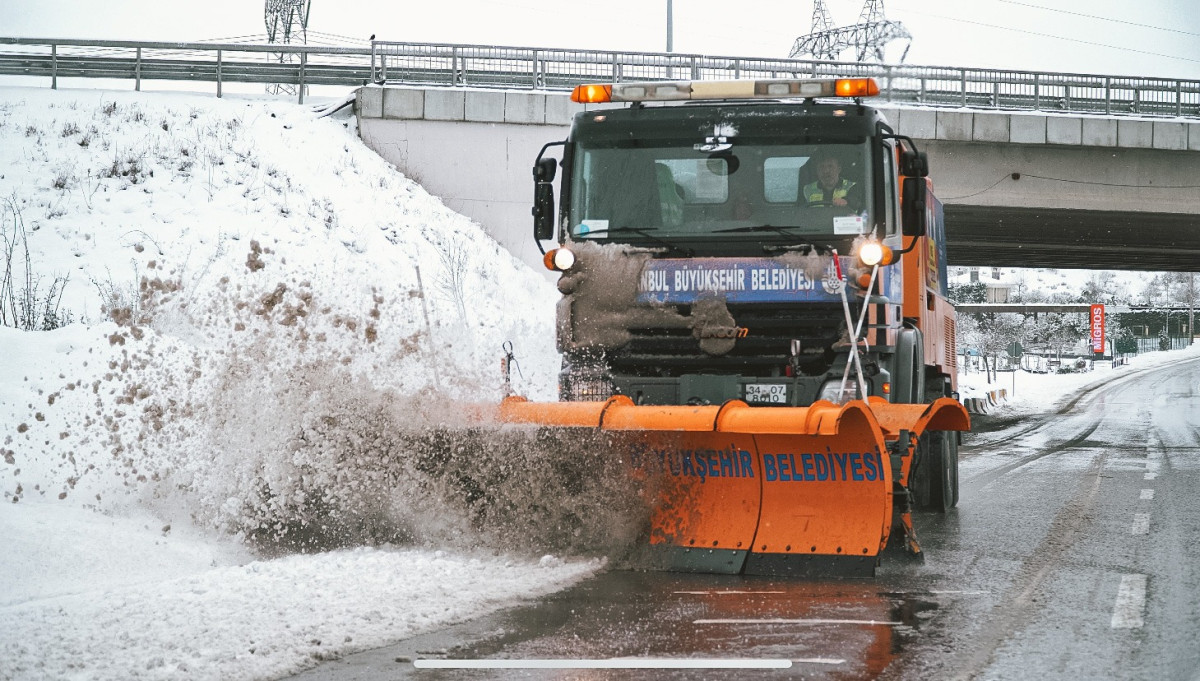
(1148, 38)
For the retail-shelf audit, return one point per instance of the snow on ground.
(214, 470)
(1031, 393)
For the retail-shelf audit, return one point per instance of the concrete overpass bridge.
(1035, 169)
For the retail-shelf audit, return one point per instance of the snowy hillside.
(270, 312)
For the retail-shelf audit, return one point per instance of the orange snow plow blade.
(759, 490)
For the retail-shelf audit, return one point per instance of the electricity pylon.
(867, 38)
(285, 20)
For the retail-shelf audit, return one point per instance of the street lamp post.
(670, 28)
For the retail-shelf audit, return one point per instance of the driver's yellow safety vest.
(813, 193)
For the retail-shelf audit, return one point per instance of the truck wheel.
(908, 373)
(952, 438)
(943, 471)
(934, 480)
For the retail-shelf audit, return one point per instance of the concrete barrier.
(983, 405)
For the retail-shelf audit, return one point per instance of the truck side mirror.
(545, 170)
(543, 198)
(914, 164)
(912, 201)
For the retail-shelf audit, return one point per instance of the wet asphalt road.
(1074, 553)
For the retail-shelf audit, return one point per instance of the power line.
(1056, 37)
(1009, 176)
(1093, 16)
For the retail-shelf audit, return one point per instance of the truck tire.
(941, 473)
(908, 368)
(934, 478)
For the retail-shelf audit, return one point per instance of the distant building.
(998, 292)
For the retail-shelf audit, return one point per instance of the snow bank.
(262, 619)
(281, 311)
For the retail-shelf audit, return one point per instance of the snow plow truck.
(754, 313)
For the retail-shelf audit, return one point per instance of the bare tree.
(23, 304)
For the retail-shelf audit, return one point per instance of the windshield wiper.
(803, 249)
(643, 232)
(786, 231)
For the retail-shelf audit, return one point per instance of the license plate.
(769, 393)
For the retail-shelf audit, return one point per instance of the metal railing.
(297, 65)
(557, 70)
(550, 69)
(1157, 343)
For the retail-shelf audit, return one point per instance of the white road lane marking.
(1141, 524)
(1151, 476)
(1147, 494)
(729, 592)
(1129, 609)
(805, 622)
(618, 663)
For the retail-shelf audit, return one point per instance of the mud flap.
(903, 426)
(944, 413)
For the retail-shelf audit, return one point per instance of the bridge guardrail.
(552, 69)
(219, 63)
(561, 69)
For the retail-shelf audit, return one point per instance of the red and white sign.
(1097, 326)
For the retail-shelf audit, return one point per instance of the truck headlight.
(873, 253)
(559, 259)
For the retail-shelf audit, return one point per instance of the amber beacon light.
(592, 94)
(856, 87)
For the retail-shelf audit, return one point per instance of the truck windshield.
(680, 191)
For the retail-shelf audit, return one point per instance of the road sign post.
(1014, 355)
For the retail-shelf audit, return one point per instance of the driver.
(830, 188)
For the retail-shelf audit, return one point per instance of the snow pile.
(281, 334)
(290, 320)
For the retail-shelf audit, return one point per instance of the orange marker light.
(864, 280)
(887, 388)
(592, 94)
(889, 256)
(856, 87)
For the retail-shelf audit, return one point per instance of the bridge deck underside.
(995, 236)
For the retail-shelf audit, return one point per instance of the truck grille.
(764, 351)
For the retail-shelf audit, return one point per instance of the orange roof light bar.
(592, 94)
(675, 90)
(857, 87)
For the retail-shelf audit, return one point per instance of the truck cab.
(708, 231)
